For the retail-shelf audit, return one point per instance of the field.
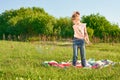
(23, 61)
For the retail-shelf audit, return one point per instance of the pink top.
(80, 31)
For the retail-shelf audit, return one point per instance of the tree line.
(36, 24)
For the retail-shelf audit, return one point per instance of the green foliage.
(32, 22)
(101, 26)
(90, 32)
(63, 28)
(26, 22)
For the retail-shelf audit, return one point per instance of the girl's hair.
(76, 12)
(76, 15)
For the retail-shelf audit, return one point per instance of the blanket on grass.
(91, 63)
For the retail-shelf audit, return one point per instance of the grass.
(23, 61)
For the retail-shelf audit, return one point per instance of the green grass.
(23, 61)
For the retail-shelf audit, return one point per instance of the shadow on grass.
(1, 73)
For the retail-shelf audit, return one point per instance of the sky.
(65, 8)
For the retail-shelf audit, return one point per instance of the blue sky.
(63, 8)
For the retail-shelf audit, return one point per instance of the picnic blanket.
(91, 63)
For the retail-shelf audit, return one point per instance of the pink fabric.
(91, 63)
(62, 65)
(80, 31)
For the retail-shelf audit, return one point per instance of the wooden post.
(3, 36)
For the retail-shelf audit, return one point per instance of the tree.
(101, 26)
(26, 22)
(63, 28)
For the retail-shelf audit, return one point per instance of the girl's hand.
(88, 42)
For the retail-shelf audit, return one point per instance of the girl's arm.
(86, 36)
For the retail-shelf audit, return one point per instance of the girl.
(80, 34)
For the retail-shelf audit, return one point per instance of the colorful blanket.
(91, 63)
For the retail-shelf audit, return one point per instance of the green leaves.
(63, 27)
(31, 22)
(101, 26)
(27, 22)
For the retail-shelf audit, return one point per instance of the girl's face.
(76, 21)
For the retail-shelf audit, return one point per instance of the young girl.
(80, 36)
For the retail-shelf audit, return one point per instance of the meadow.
(23, 61)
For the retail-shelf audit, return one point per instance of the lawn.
(23, 61)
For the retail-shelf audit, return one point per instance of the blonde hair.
(76, 16)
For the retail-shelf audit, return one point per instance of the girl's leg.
(75, 54)
(82, 53)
